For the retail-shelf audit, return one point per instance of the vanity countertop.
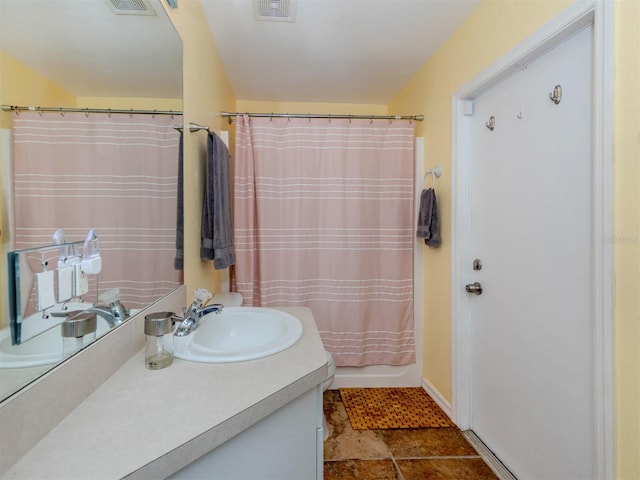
(144, 423)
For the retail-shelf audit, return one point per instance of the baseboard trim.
(434, 393)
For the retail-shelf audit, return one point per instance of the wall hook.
(556, 95)
(491, 124)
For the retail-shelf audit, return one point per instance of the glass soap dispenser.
(158, 330)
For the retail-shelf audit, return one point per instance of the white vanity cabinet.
(288, 444)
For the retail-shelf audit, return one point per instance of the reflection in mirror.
(52, 179)
(115, 174)
(42, 278)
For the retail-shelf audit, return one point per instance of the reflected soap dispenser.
(158, 330)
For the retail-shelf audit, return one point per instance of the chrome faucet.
(192, 318)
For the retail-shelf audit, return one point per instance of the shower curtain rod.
(131, 111)
(230, 115)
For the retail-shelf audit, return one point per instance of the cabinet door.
(282, 446)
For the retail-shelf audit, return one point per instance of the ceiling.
(347, 51)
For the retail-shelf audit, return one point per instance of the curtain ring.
(61, 112)
(86, 112)
(271, 119)
(131, 113)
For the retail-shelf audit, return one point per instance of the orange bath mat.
(385, 408)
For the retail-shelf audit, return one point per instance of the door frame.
(579, 15)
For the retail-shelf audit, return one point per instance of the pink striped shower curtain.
(324, 218)
(114, 173)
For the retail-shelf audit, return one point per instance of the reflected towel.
(217, 232)
(428, 221)
(178, 262)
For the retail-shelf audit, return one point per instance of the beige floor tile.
(426, 442)
(360, 469)
(445, 469)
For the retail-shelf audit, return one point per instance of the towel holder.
(193, 127)
(435, 172)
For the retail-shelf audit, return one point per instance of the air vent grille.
(275, 10)
(131, 7)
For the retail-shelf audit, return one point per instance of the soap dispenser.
(158, 330)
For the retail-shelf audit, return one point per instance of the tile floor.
(399, 454)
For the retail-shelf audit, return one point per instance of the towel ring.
(435, 172)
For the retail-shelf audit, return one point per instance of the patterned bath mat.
(385, 408)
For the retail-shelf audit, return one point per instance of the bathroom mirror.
(104, 54)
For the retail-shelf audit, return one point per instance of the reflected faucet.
(192, 318)
(105, 312)
(108, 314)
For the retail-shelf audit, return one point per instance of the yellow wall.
(137, 103)
(466, 53)
(19, 85)
(300, 107)
(626, 239)
(206, 92)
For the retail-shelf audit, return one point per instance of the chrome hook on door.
(556, 95)
(475, 287)
(491, 124)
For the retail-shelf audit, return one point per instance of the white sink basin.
(45, 345)
(239, 334)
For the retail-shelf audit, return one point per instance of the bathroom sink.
(45, 343)
(238, 334)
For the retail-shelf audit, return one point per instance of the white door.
(531, 327)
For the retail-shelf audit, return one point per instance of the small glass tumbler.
(158, 330)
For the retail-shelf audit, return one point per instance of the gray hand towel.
(178, 262)
(428, 221)
(217, 232)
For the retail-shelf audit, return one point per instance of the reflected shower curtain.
(324, 219)
(114, 173)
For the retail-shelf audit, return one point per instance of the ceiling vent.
(131, 7)
(275, 10)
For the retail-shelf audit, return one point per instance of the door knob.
(474, 288)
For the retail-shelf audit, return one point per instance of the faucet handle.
(202, 296)
(216, 307)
